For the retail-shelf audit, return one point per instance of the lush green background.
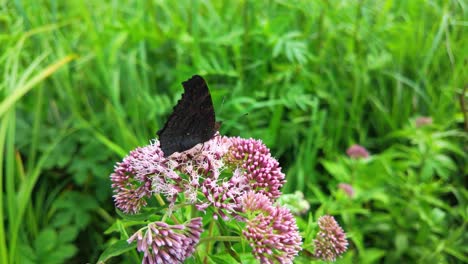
(84, 82)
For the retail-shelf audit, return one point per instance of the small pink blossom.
(330, 241)
(260, 168)
(163, 243)
(271, 230)
(423, 121)
(348, 189)
(224, 195)
(357, 151)
(256, 202)
(133, 179)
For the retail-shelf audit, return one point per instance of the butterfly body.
(192, 121)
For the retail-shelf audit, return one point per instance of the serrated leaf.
(45, 241)
(26, 254)
(62, 218)
(68, 234)
(82, 219)
(63, 252)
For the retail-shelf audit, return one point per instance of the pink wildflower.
(423, 121)
(163, 243)
(224, 196)
(348, 189)
(134, 178)
(330, 241)
(260, 168)
(357, 151)
(272, 231)
(203, 159)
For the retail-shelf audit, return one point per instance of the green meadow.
(82, 83)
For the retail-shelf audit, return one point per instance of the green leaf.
(116, 249)
(372, 255)
(62, 219)
(401, 243)
(26, 254)
(144, 214)
(223, 259)
(45, 241)
(62, 253)
(68, 234)
(20, 91)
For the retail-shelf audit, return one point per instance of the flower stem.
(221, 238)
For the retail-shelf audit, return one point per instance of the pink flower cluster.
(423, 121)
(330, 241)
(163, 243)
(236, 178)
(224, 197)
(260, 168)
(347, 188)
(132, 180)
(271, 230)
(357, 152)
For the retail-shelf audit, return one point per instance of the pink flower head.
(146, 171)
(131, 178)
(271, 230)
(202, 166)
(253, 202)
(330, 241)
(357, 151)
(348, 189)
(224, 196)
(203, 159)
(163, 243)
(261, 169)
(423, 121)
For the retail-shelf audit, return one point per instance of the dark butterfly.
(192, 121)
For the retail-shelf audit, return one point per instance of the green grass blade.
(19, 92)
(3, 246)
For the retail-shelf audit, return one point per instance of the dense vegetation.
(84, 82)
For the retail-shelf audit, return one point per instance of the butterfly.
(192, 120)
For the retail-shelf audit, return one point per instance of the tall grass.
(309, 78)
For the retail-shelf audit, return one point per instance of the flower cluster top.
(229, 177)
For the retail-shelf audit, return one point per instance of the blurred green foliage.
(84, 82)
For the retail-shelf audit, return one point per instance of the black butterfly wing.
(192, 121)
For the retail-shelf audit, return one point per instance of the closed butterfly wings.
(192, 121)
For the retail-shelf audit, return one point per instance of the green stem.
(221, 238)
